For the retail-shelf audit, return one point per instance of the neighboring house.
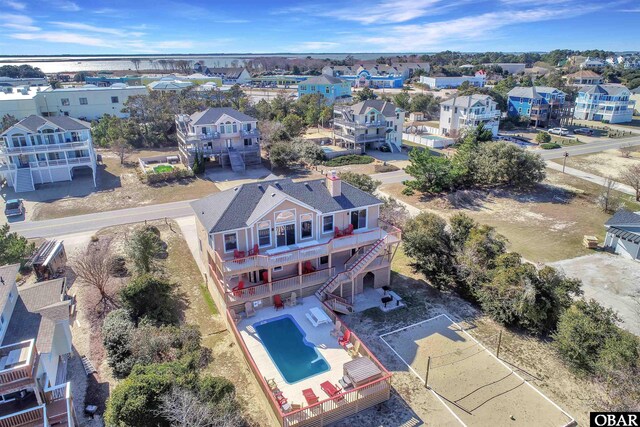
(376, 76)
(331, 88)
(511, 68)
(87, 102)
(106, 81)
(175, 86)
(584, 77)
(539, 103)
(609, 103)
(462, 112)
(229, 75)
(635, 97)
(369, 123)
(592, 63)
(224, 136)
(36, 343)
(38, 150)
(623, 234)
(22, 82)
(445, 82)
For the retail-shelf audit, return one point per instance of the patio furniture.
(337, 232)
(348, 231)
(317, 317)
(361, 371)
(265, 276)
(277, 302)
(386, 299)
(249, 310)
(296, 406)
(345, 382)
(293, 299)
(308, 268)
(330, 389)
(353, 350)
(286, 407)
(310, 396)
(238, 254)
(254, 251)
(336, 331)
(271, 383)
(344, 340)
(237, 291)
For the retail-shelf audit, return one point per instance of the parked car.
(583, 131)
(559, 131)
(14, 207)
(385, 148)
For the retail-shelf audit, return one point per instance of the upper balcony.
(46, 148)
(363, 138)
(57, 409)
(189, 137)
(491, 115)
(357, 125)
(19, 364)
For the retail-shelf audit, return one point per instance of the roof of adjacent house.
(169, 85)
(323, 79)
(8, 273)
(212, 115)
(532, 92)
(610, 89)
(466, 101)
(239, 207)
(583, 74)
(38, 308)
(624, 217)
(33, 123)
(385, 107)
(229, 72)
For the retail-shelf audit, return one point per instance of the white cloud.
(68, 6)
(21, 27)
(90, 28)
(311, 46)
(15, 4)
(62, 38)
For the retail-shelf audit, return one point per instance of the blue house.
(332, 88)
(538, 103)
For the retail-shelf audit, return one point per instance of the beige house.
(36, 342)
(368, 124)
(584, 77)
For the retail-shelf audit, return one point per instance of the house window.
(235, 128)
(306, 226)
(247, 142)
(324, 260)
(200, 245)
(264, 233)
(313, 88)
(230, 242)
(114, 100)
(327, 224)
(303, 87)
(359, 219)
(10, 296)
(326, 89)
(83, 101)
(64, 102)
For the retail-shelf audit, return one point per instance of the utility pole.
(564, 160)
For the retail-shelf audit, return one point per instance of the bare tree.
(93, 269)
(122, 148)
(184, 408)
(608, 199)
(393, 212)
(136, 64)
(163, 64)
(631, 177)
(625, 151)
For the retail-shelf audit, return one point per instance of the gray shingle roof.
(212, 115)
(624, 217)
(385, 107)
(323, 80)
(227, 72)
(33, 123)
(466, 101)
(606, 89)
(38, 308)
(8, 274)
(630, 236)
(234, 208)
(531, 92)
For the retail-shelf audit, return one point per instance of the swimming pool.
(293, 355)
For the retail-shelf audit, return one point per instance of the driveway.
(611, 280)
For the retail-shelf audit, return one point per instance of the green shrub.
(543, 138)
(550, 145)
(385, 168)
(176, 174)
(151, 297)
(350, 159)
(117, 330)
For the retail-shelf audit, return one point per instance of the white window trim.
(333, 222)
(301, 221)
(366, 217)
(258, 234)
(224, 244)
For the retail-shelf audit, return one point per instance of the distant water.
(58, 64)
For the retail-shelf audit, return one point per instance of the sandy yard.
(477, 387)
(118, 187)
(609, 163)
(544, 224)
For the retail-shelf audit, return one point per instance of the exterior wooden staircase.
(354, 267)
(339, 305)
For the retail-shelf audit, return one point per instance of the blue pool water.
(293, 355)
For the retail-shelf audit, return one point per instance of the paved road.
(575, 150)
(96, 221)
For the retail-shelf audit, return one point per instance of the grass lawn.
(545, 224)
(118, 187)
(163, 168)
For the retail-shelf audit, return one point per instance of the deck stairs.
(339, 305)
(24, 180)
(236, 160)
(353, 267)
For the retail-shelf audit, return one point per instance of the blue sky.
(30, 27)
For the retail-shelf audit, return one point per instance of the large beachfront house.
(38, 150)
(461, 112)
(539, 103)
(609, 103)
(309, 249)
(368, 123)
(36, 342)
(224, 136)
(331, 88)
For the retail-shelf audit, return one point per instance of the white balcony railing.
(46, 148)
(60, 162)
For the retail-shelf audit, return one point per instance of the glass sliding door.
(286, 235)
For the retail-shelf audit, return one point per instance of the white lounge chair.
(249, 310)
(336, 332)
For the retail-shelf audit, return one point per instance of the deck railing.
(27, 417)
(10, 376)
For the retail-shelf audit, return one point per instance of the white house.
(592, 63)
(461, 112)
(623, 234)
(610, 103)
(39, 149)
(86, 102)
(368, 123)
(511, 68)
(446, 82)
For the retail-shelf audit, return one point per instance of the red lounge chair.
(310, 396)
(330, 389)
(254, 251)
(337, 232)
(345, 338)
(308, 268)
(237, 291)
(348, 231)
(238, 254)
(277, 302)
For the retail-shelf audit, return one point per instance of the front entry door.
(286, 235)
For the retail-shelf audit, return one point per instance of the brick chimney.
(334, 184)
